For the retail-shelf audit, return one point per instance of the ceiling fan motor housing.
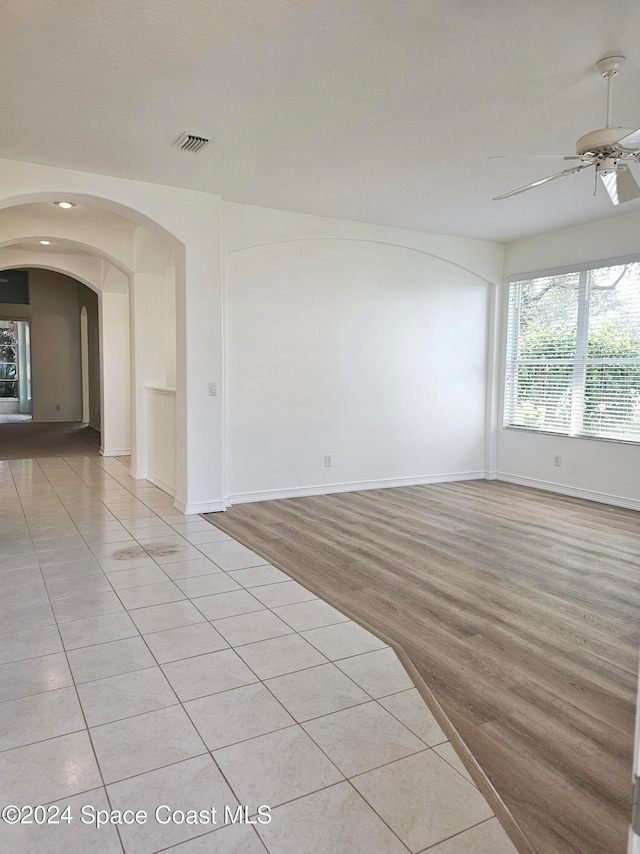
(601, 141)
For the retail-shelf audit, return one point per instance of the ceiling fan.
(609, 149)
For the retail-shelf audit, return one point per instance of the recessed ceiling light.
(66, 205)
(45, 242)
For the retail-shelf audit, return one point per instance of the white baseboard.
(354, 486)
(161, 484)
(137, 475)
(572, 492)
(202, 507)
(55, 419)
(115, 452)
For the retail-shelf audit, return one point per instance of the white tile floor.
(13, 418)
(148, 660)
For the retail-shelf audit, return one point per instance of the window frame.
(15, 381)
(579, 362)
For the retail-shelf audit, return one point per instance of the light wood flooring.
(519, 608)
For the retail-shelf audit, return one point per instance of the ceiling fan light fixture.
(618, 181)
(606, 171)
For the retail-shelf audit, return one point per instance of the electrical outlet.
(557, 460)
(213, 390)
(328, 461)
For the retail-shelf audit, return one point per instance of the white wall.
(328, 320)
(148, 352)
(170, 325)
(115, 435)
(353, 341)
(590, 468)
(155, 257)
(161, 452)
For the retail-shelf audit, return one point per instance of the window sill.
(569, 436)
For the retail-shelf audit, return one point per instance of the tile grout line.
(292, 632)
(93, 750)
(296, 724)
(179, 702)
(454, 835)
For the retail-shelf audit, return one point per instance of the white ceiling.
(383, 111)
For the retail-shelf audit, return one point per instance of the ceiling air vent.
(190, 142)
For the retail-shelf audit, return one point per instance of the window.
(8, 359)
(573, 353)
(15, 367)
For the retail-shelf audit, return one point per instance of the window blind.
(573, 353)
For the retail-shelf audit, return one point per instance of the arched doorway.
(189, 223)
(131, 304)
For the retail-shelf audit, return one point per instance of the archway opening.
(49, 359)
(129, 350)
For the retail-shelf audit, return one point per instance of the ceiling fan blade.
(571, 171)
(535, 157)
(632, 140)
(620, 185)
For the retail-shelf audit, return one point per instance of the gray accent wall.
(54, 311)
